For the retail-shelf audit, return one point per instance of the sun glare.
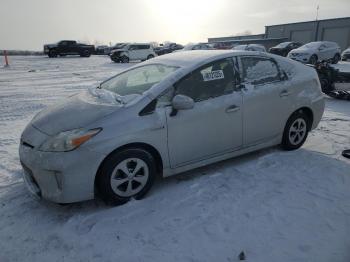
(185, 19)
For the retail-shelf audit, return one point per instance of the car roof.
(195, 57)
(138, 43)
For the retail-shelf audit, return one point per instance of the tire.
(115, 59)
(336, 59)
(295, 131)
(125, 59)
(313, 60)
(115, 180)
(150, 57)
(52, 53)
(85, 53)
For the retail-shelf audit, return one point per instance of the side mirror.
(181, 102)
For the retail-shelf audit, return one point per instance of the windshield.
(283, 45)
(188, 47)
(313, 45)
(138, 80)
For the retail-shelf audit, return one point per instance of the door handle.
(232, 109)
(284, 93)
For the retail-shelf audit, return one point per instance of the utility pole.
(317, 22)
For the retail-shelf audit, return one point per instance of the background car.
(165, 116)
(117, 46)
(250, 47)
(167, 48)
(68, 47)
(222, 45)
(132, 52)
(103, 50)
(199, 46)
(317, 52)
(346, 54)
(284, 48)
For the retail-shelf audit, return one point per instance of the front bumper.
(345, 57)
(302, 59)
(279, 52)
(61, 177)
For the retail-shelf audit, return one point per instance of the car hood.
(51, 45)
(346, 51)
(119, 50)
(303, 50)
(76, 112)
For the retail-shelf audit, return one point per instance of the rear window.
(259, 70)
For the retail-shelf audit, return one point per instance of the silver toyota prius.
(164, 116)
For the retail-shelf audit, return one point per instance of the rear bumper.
(62, 177)
(318, 107)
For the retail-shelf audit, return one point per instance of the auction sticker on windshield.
(213, 75)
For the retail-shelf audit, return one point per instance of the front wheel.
(313, 60)
(52, 54)
(150, 57)
(336, 59)
(125, 59)
(295, 131)
(126, 174)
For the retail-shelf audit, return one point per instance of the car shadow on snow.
(302, 165)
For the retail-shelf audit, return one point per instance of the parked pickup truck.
(68, 47)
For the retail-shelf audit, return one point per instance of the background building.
(336, 30)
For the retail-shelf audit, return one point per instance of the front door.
(214, 125)
(264, 92)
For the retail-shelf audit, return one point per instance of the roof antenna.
(317, 9)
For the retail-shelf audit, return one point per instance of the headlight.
(69, 140)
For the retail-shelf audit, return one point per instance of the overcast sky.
(28, 24)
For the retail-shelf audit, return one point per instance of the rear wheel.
(150, 57)
(295, 131)
(126, 174)
(85, 53)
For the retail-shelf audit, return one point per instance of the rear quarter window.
(259, 70)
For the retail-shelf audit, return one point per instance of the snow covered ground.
(273, 205)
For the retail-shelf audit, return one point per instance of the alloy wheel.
(129, 177)
(297, 131)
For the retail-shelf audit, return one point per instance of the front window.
(138, 80)
(213, 80)
(283, 45)
(188, 47)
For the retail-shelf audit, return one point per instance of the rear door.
(133, 52)
(214, 125)
(264, 99)
(323, 52)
